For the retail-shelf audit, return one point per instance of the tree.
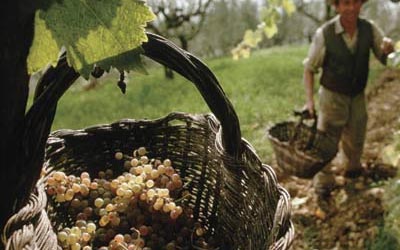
(234, 18)
(22, 143)
(181, 20)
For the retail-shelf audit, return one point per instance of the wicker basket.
(300, 148)
(234, 194)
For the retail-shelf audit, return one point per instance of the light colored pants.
(344, 118)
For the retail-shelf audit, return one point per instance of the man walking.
(341, 47)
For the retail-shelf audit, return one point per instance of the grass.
(264, 89)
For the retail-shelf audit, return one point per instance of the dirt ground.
(356, 210)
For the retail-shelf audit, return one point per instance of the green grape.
(128, 194)
(139, 179)
(69, 195)
(161, 169)
(147, 168)
(72, 238)
(114, 184)
(134, 162)
(86, 182)
(59, 176)
(139, 170)
(51, 181)
(154, 174)
(104, 221)
(77, 231)
(102, 174)
(99, 202)
(166, 208)
(142, 151)
(94, 186)
(102, 212)
(167, 162)
(60, 198)
(169, 171)
(127, 165)
(94, 194)
(75, 203)
(118, 156)
(110, 207)
(171, 205)
(61, 190)
(119, 238)
(91, 227)
(144, 159)
(75, 246)
(76, 188)
(150, 183)
(120, 192)
(81, 223)
(62, 236)
(85, 175)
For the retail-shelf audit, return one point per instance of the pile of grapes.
(141, 209)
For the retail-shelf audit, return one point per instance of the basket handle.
(305, 115)
(56, 81)
(168, 54)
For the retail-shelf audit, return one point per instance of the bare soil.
(355, 211)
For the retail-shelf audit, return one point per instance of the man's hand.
(310, 107)
(387, 46)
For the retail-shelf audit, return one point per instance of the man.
(341, 47)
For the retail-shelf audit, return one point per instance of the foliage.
(91, 31)
(181, 20)
(270, 16)
(394, 58)
(264, 89)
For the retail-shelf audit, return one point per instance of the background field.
(264, 89)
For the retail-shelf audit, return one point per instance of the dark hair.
(336, 2)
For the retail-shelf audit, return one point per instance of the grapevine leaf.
(390, 155)
(397, 46)
(288, 6)
(94, 32)
(252, 38)
(270, 30)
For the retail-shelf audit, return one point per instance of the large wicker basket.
(234, 194)
(300, 148)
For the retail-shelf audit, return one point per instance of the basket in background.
(300, 148)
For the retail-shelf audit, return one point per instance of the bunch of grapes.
(137, 210)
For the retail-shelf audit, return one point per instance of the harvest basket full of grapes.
(182, 181)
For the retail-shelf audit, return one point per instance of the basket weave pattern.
(300, 149)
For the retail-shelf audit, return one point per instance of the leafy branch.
(270, 16)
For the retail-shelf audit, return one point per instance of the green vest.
(343, 71)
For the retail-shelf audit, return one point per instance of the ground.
(352, 219)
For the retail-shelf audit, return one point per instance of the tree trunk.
(16, 32)
(184, 42)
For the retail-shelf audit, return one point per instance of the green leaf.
(252, 38)
(94, 32)
(288, 6)
(271, 29)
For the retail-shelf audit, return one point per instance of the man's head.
(336, 2)
(349, 10)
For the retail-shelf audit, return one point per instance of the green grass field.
(264, 89)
